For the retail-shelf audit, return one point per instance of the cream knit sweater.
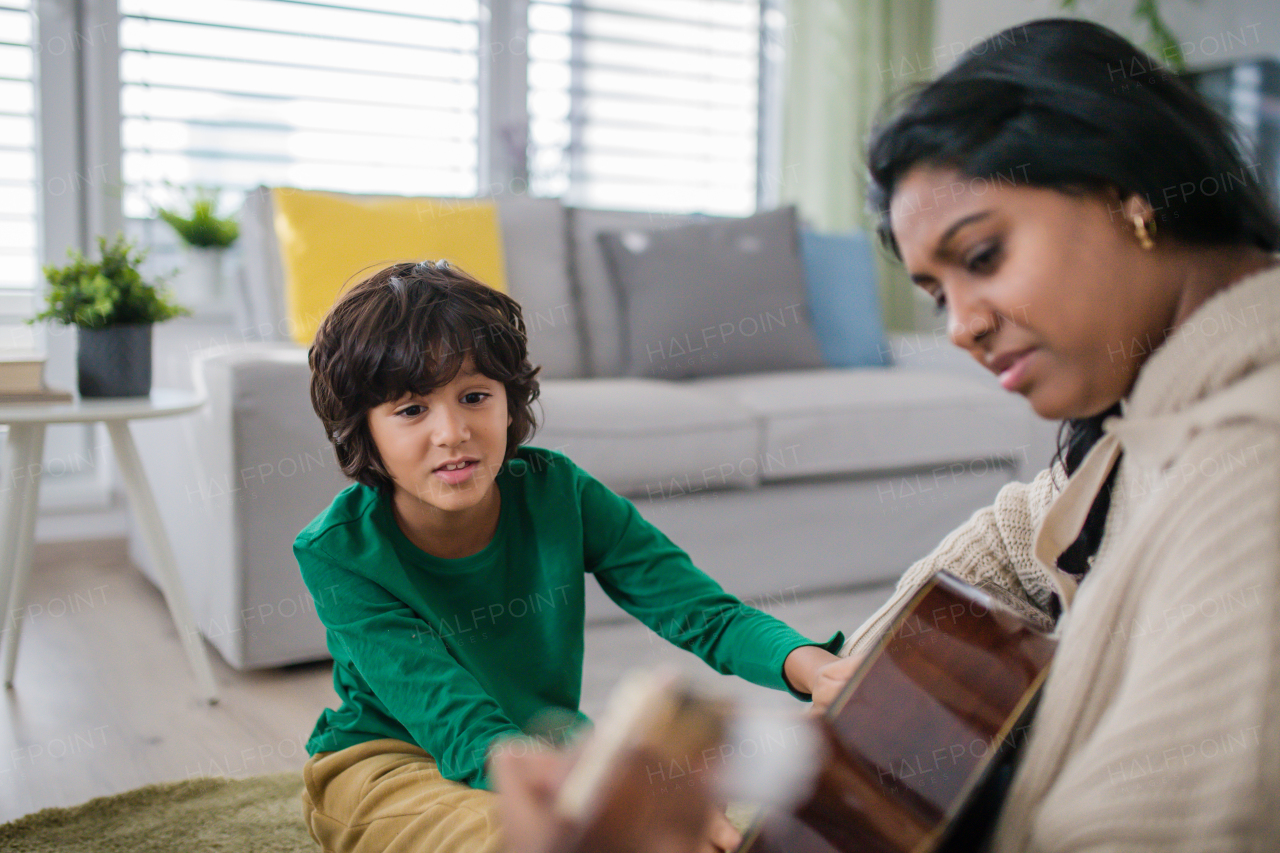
(1159, 726)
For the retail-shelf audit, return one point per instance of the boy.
(450, 576)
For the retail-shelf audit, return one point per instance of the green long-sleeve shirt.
(451, 654)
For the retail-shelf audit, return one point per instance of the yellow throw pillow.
(328, 241)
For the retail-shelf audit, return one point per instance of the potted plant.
(113, 307)
(206, 237)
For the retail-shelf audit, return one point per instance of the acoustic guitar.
(913, 757)
(923, 740)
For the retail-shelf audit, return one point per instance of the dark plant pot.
(115, 361)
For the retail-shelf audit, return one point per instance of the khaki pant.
(387, 796)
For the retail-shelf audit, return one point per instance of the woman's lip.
(457, 475)
(1013, 376)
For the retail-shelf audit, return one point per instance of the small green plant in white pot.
(113, 308)
(206, 237)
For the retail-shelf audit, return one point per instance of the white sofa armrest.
(264, 470)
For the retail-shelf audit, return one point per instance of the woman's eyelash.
(982, 260)
(940, 303)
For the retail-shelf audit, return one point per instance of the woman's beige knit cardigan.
(1159, 726)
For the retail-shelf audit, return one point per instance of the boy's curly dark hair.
(407, 329)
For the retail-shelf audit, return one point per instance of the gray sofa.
(778, 484)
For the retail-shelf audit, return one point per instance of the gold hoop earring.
(1145, 229)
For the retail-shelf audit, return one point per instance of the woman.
(1097, 241)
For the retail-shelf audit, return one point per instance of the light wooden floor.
(103, 698)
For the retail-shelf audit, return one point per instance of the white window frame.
(774, 34)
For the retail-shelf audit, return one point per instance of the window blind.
(370, 97)
(645, 104)
(19, 247)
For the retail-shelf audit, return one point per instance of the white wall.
(1213, 32)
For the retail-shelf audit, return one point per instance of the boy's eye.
(475, 397)
(412, 411)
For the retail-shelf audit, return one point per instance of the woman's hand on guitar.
(830, 680)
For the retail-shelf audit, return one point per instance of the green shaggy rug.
(261, 813)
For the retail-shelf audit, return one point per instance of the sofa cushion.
(330, 240)
(651, 438)
(844, 296)
(601, 314)
(534, 243)
(713, 298)
(862, 420)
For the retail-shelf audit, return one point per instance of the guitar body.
(921, 741)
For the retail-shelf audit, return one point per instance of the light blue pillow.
(844, 298)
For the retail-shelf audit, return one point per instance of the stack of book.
(22, 380)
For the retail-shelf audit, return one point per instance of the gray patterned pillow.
(713, 298)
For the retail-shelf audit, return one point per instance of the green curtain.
(843, 58)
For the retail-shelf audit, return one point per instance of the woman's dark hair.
(1070, 105)
(408, 329)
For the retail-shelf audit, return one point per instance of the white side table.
(27, 424)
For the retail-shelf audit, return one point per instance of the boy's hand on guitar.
(801, 667)
(830, 680)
